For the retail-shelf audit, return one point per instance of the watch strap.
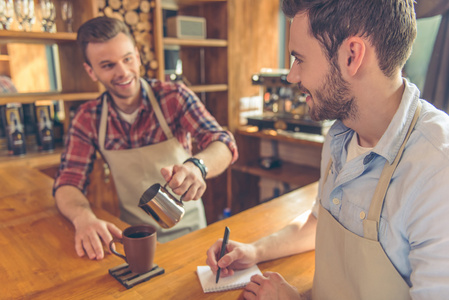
(200, 165)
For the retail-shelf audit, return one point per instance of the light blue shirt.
(414, 225)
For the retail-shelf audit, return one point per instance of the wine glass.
(6, 13)
(67, 14)
(31, 18)
(21, 8)
(48, 12)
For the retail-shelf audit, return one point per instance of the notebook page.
(236, 281)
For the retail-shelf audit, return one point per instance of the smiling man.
(379, 224)
(143, 129)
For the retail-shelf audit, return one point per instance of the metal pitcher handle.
(180, 198)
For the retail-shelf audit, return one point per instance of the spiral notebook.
(236, 281)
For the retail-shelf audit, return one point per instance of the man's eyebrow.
(104, 62)
(108, 61)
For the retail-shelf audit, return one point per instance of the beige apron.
(134, 170)
(348, 266)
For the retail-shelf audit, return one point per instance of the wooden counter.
(38, 259)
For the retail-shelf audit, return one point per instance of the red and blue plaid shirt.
(185, 114)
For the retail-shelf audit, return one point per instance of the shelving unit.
(32, 97)
(75, 85)
(249, 171)
(195, 43)
(15, 36)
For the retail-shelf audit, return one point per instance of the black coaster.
(129, 279)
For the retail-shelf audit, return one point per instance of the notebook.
(236, 281)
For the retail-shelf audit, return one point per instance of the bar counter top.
(38, 259)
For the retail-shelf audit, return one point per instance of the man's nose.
(293, 75)
(120, 69)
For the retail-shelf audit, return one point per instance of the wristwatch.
(199, 163)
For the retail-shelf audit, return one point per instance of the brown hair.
(390, 26)
(98, 30)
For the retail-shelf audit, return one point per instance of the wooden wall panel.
(253, 35)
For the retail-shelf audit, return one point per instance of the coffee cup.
(139, 244)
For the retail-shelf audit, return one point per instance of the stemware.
(31, 18)
(48, 12)
(67, 14)
(6, 13)
(21, 9)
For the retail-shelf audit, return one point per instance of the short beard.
(334, 98)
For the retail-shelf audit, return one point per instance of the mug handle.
(116, 240)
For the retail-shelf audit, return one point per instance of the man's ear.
(90, 71)
(353, 52)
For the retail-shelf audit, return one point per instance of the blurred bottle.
(45, 126)
(17, 137)
(58, 127)
(47, 135)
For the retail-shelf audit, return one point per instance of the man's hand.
(185, 180)
(238, 256)
(90, 232)
(270, 286)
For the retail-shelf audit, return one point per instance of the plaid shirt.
(185, 114)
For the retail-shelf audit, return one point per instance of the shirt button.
(362, 215)
(336, 201)
(368, 158)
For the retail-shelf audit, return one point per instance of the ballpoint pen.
(223, 250)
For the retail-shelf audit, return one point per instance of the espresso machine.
(284, 105)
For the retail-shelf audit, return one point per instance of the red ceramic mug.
(139, 243)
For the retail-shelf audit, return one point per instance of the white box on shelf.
(186, 27)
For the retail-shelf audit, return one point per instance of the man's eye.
(107, 66)
(128, 59)
(298, 61)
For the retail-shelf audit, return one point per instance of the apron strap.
(154, 104)
(103, 122)
(157, 109)
(371, 223)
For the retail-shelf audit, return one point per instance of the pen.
(223, 250)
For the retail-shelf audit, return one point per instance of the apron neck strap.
(157, 109)
(154, 105)
(371, 223)
(103, 122)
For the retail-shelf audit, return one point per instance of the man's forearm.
(71, 202)
(216, 157)
(297, 237)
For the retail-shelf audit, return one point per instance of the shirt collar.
(390, 142)
(144, 106)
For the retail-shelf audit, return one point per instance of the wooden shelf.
(32, 97)
(4, 57)
(288, 172)
(209, 88)
(195, 43)
(14, 36)
(196, 2)
(33, 158)
(295, 138)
